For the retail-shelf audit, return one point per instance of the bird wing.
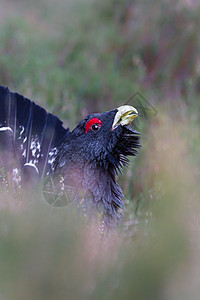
(28, 133)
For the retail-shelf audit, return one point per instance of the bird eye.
(93, 124)
(95, 127)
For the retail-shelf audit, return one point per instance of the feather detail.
(33, 132)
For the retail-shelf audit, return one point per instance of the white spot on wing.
(22, 130)
(52, 155)
(35, 147)
(5, 129)
(24, 153)
(31, 165)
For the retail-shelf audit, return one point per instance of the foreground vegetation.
(78, 57)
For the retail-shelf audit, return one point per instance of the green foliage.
(77, 57)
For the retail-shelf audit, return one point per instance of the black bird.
(81, 164)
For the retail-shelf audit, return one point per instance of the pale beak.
(125, 115)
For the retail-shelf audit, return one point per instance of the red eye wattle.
(94, 125)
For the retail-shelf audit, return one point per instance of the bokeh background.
(75, 57)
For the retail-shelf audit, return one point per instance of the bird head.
(103, 138)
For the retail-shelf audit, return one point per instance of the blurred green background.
(75, 57)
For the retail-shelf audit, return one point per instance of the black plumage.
(79, 165)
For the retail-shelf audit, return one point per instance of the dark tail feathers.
(29, 136)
